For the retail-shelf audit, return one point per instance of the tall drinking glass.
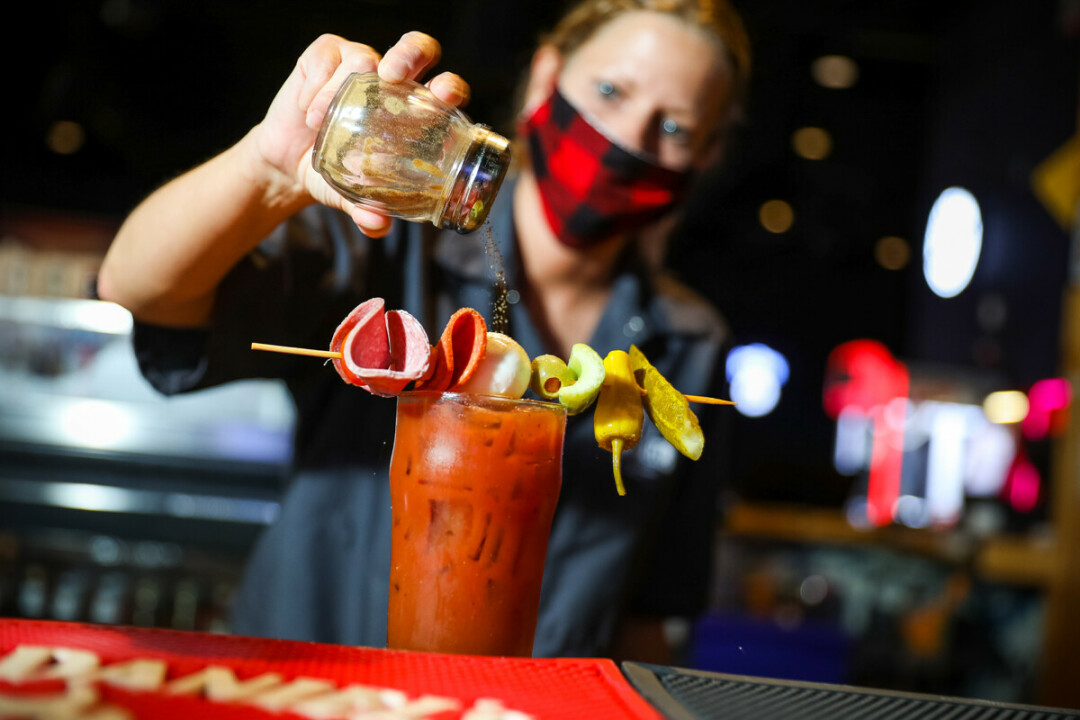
(473, 483)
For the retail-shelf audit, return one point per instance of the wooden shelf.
(1015, 560)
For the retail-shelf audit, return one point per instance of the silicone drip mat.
(691, 694)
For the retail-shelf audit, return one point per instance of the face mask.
(590, 187)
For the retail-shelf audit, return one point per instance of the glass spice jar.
(397, 149)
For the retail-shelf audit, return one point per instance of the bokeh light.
(892, 252)
(953, 242)
(811, 143)
(1005, 406)
(756, 373)
(836, 72)
(65, 137)
(1048, 412)
(776, 216)
(95, 423)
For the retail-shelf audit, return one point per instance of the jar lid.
(477, 181)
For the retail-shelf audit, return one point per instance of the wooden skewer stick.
(708, 400)
(695, 398)
(296, 350)
(336, 355)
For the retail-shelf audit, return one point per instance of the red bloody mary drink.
(474, 480)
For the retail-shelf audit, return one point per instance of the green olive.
(549, 375)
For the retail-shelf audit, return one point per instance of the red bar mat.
(480, 688)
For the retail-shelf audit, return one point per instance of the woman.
(254, 245)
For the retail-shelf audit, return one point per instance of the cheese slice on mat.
(382, 351)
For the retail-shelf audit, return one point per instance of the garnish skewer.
(289, 350)
(311, 352)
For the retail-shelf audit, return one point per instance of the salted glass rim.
(480, 399)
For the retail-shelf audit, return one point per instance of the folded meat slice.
(457, 353)
(381, 351)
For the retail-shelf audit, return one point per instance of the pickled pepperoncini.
(619, 416)
(667, 408)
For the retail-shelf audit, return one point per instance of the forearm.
(174, 249)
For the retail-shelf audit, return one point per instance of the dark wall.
(1005, 98)
(161, 85)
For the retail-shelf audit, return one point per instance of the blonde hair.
(717, 18)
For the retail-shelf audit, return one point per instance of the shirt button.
(633, 326)
(513, 297)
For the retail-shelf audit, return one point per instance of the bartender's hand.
(283, 141)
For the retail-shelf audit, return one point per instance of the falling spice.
(500, 308)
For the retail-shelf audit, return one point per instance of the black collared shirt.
(321, 571)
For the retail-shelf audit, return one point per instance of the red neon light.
(865, 375)
(1048, 402)
(1023, 484)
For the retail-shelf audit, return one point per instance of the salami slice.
(382, 351)
(459, 350)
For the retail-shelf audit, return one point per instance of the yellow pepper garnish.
(667, 408)
(618, 417)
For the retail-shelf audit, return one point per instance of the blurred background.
(893, 240)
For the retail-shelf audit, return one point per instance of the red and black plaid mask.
(591, 188)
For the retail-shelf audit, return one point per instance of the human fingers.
(410, 57)
(370, 223)
(324, 66)
(450, 88)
